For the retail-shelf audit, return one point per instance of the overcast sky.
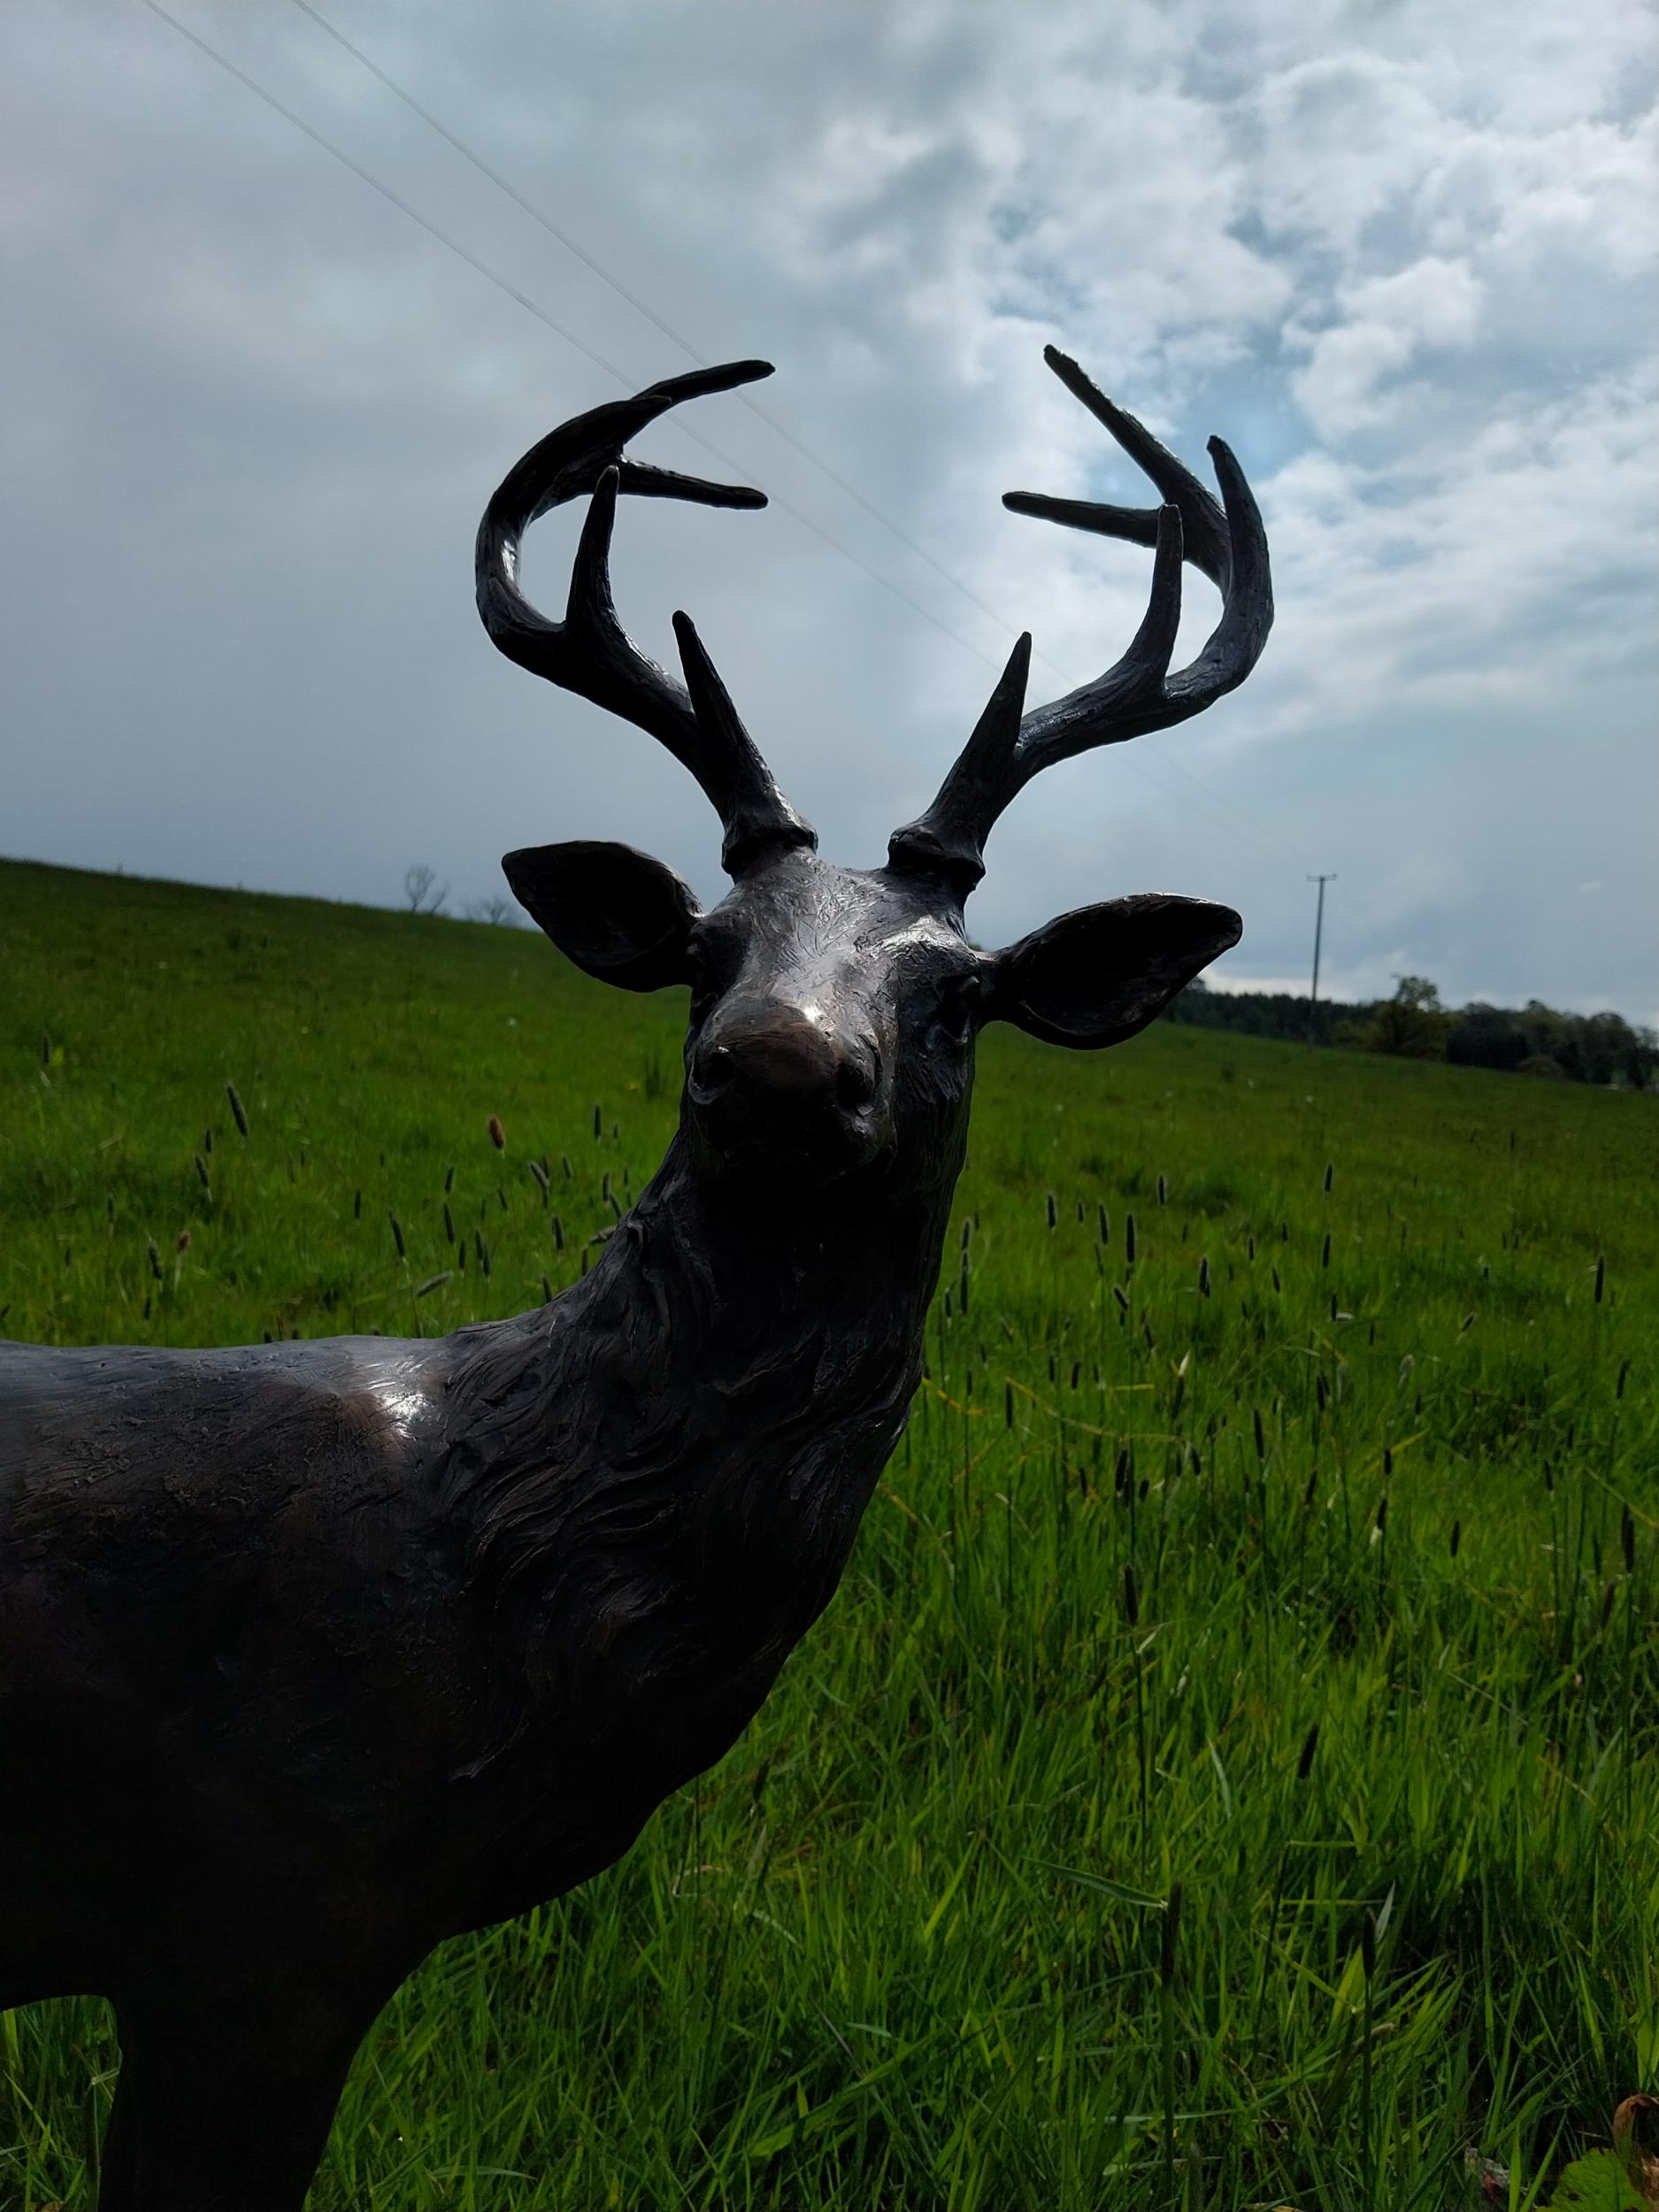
(1401, 255)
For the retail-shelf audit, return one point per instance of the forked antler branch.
(1138, 694)
(589, 652)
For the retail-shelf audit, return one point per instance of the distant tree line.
(1536, 1040)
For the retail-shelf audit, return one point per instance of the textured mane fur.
(680, 1446)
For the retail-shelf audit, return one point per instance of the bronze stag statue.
(314, 1654)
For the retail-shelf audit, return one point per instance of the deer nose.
(773, 1073)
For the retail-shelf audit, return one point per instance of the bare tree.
(421, 888)
(500, 912)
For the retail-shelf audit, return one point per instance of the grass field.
(1362, 1440)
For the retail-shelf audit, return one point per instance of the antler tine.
(1137, 694)
(732, 772)
(1202, 517)
(589, 652)
(943, 840)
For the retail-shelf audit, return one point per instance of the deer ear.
(1097, 976)
(618, 914)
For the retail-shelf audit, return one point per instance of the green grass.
(905, 1947)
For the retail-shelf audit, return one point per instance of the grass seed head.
(498, 1135)
(238, 1111)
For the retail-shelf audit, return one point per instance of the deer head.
(833, 1011)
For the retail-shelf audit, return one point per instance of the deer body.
(314, 1654)
(280, 1570)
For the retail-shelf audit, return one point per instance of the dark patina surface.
(313, 1654)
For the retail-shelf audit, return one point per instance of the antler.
(589, 652)
(1138, 694)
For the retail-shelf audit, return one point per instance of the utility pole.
(1318, 930)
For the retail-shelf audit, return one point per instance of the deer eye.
(957, 996)
(699, 970)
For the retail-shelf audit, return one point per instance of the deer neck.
(747, 1284)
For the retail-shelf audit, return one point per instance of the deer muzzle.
(779, 1081)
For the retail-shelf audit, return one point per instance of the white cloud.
(1385, 324)
(1342, 141)
(1401, 258)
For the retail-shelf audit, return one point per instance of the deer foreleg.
(226, 2094)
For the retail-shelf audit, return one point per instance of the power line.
(385, 190)
(643, 307)
(781, 429)
(536, 214)
(560, 330)
(317, 138)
